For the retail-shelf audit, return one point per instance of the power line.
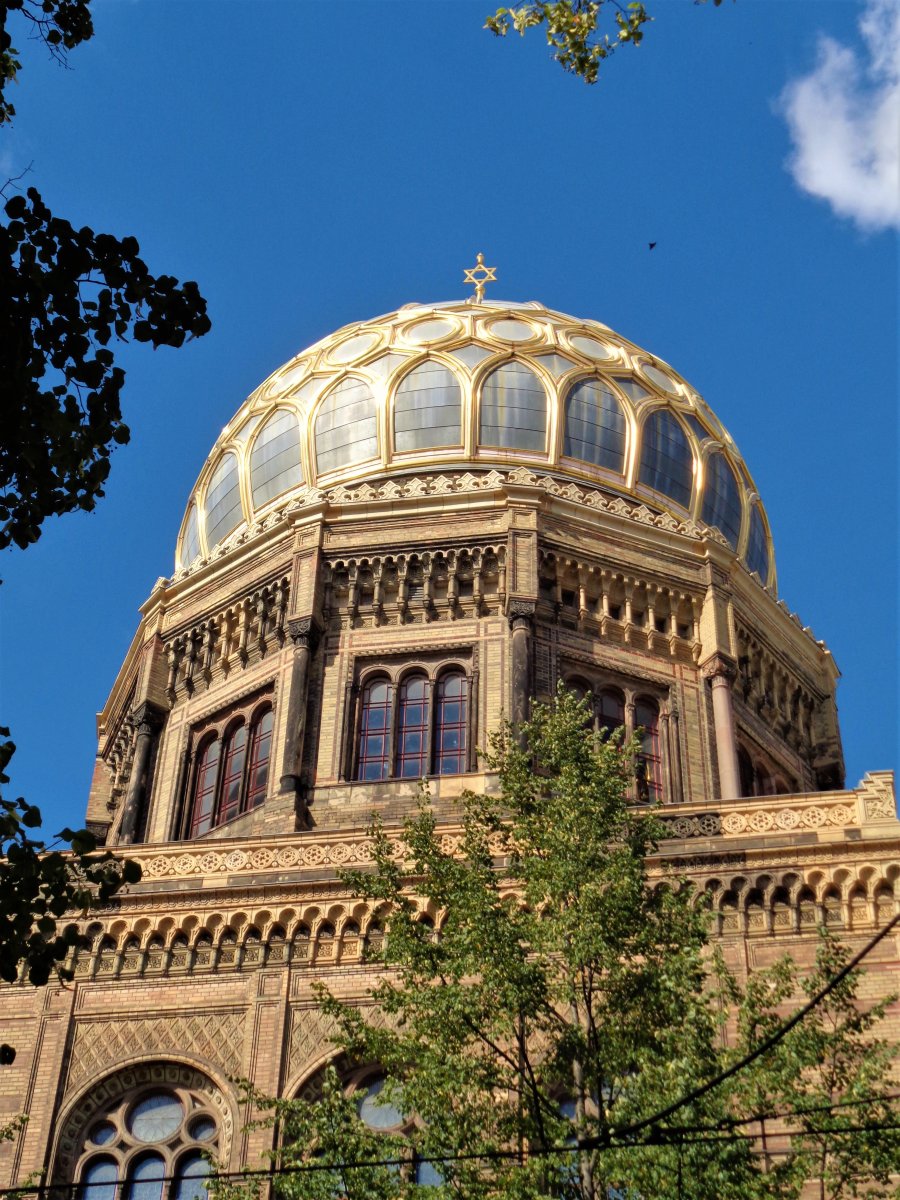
(661, 1138)
(761, 1049)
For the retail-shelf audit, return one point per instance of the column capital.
(720, 666)
(148, 717)
(520, 613)
(303, 632)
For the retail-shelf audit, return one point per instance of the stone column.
(675, 754)
(721, 671)
(521, 620)
(303, 632)
(147, 719)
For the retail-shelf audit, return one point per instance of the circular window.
(592, 348)
(512, 331)
(661, 378)
(203, 1129)
(156, 1117)
(429, 331)
(353, 348)
(378, 1113)
(103, 1133)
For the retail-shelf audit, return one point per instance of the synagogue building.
(405, 534)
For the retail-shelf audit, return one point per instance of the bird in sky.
(651, 244)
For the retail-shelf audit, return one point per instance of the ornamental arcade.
(403, 535)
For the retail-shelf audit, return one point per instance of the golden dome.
(492, 385)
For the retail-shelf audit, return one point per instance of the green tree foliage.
(66, 296)
(568, 998)
(575, 29)
(38, 888)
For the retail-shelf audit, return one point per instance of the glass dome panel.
(471, 356)
(353, 348)
(555, 364)
(427, 409)
(697, 427)
(190, 543)
(99, 1180)
(345, 427)
(661, 378)
(223, 501)
(595, 425)
(513, 409)
(429, 331)
(632, 389)
(592, 348)
(757, 547)
(722, 499)
(666, 459)
(275, 459)
(512, 331)
(378, 1114)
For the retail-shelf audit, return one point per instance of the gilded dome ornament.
(484, 275)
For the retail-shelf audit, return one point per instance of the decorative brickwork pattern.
(216, 1037)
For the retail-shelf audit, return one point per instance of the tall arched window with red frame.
(648, 765)
(374, 751)
(232, 773)
(451, 725)
(610, 708)
(203, 804)
(260, 753)
(412, 728)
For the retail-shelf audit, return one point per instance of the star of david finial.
(479, 275)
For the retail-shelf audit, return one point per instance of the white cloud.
(844, 120)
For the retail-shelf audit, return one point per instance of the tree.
(567, 997)
(40, 886)
(65, 295)
(574, 29)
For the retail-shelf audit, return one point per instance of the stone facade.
(510, 578)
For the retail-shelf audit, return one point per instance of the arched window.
(144, 1136)
(513, 409)
(374, 731)
(450, 725)
(648, 772)
(610, 708)
(204, 806)
(667, 464)
(595, 425)
(99, 1180)
(345, 426)
(275, 458)
(223, 501)
(145, 1176)
(190, 542)
(231, 770)
(745, 769)
(722, 499)
(192, 1170)
(412, 728)
(260, 752)
(384, 1117)
(757, 549)
(427, 408)
(232, 773)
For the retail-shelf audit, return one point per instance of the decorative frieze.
(246, 630)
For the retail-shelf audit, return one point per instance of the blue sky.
(314, 163)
